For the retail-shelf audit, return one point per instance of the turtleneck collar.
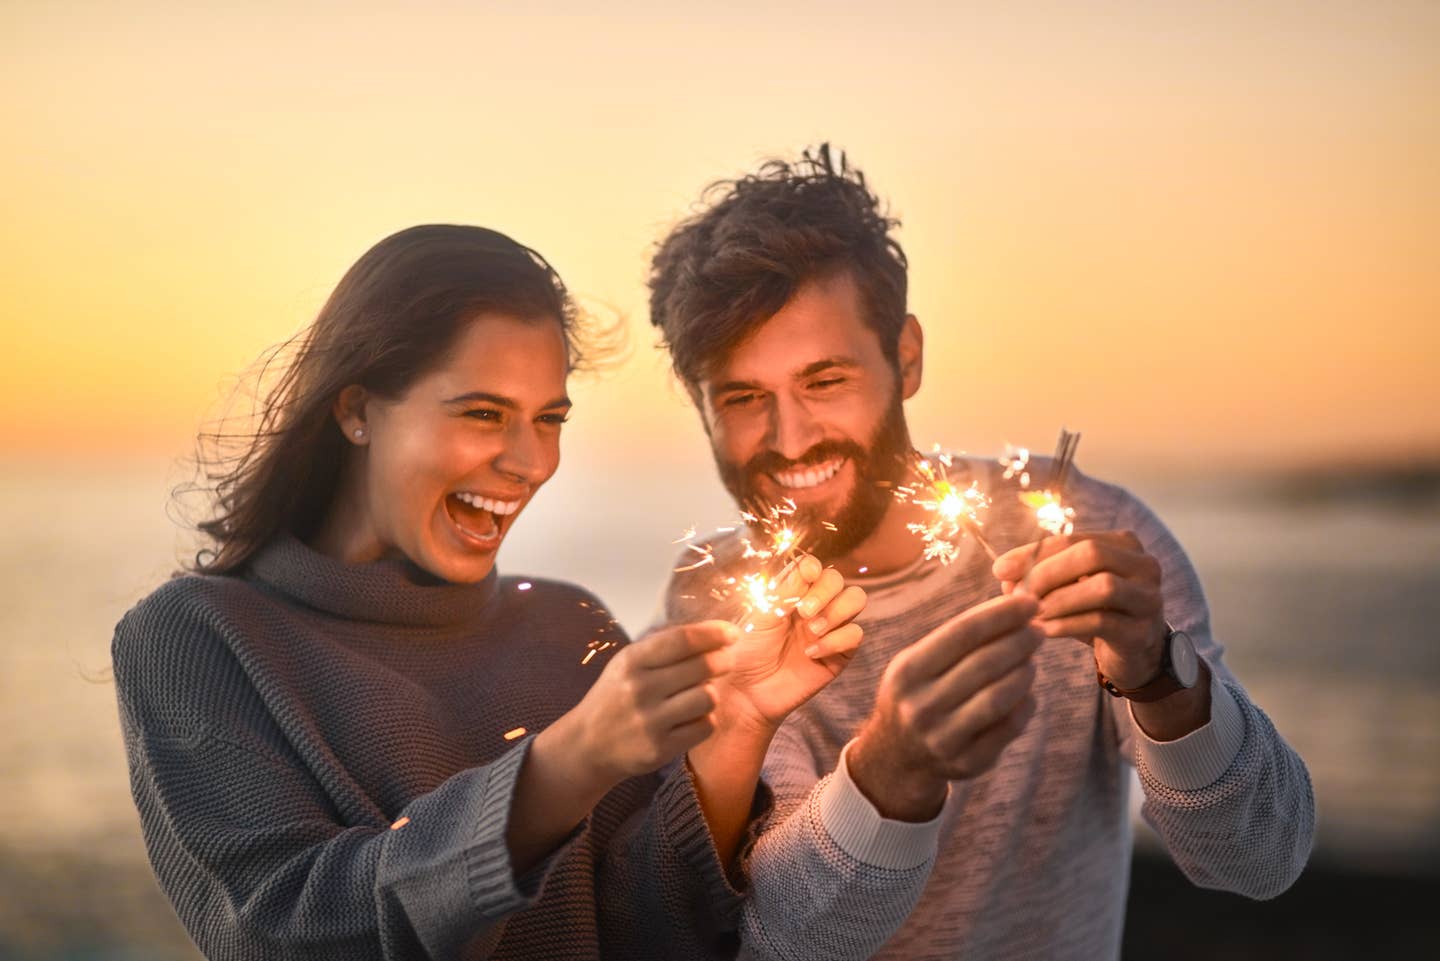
(388, 591)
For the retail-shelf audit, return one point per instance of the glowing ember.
(955, 511)
(513, 734)
(523, 586)
(1052, 516)
(400, 824)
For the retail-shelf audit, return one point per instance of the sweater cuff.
(493, 885)
(1199, 758)
(683, 822)
(859, 830)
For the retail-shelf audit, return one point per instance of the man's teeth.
(808, 478)
(498, 508)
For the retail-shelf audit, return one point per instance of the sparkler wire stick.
(1064, 458)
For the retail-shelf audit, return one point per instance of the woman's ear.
(349, 411)
(911, 355)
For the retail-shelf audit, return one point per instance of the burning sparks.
(776, 539)
(524, 586)
(954, 511)
(400, 824)
(513, 734)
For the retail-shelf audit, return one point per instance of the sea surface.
(1329, 609)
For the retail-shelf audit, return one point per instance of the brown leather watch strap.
(1162, 686)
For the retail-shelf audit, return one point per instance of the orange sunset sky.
(1198, 231)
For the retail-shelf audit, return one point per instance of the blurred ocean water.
(1330, 613)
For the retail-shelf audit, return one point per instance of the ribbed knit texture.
(278, 724)
(1033, 856)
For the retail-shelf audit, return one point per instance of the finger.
(990, 705)
(986, 747)
(841, 610)
(1119, 631)
(1015, 563)
(821, 593)
(684, 707)
(795, 578)
(1105, 591)
(983, 668)
(658, 683)
(682, 738)
(673, 644)
(934, 653)
(1092, 555)
(842, 640)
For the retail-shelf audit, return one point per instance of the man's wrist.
(899, 791)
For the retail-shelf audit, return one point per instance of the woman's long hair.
(391, 319)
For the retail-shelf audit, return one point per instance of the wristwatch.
(1179, 670)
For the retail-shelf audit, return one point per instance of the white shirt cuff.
(1199, 758)
(859, 830)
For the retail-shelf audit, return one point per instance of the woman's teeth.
(799, 479)
(498, 508)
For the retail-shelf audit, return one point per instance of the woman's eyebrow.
(480, 396)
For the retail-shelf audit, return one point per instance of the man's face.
(808, 407)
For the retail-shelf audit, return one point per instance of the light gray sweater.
(318, 753)
(1031, 859)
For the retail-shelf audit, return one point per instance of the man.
(960, 789)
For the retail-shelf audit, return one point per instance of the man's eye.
(827, 382)
(556, 419)
(740, 400)
(484, 413)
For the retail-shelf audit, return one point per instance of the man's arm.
(1229, 797)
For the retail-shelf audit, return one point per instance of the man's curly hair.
(734, 264)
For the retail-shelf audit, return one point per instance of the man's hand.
(784, 657)
(946, 707)
(1101, 588)
(1104, 589)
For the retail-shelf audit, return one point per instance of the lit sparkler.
(954, 511)
(777, 541)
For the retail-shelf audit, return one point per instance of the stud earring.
(359, 432)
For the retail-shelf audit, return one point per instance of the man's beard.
(879, 466)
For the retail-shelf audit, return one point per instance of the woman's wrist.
(564, 751)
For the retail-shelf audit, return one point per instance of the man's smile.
(805, 478)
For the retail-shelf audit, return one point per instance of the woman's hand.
(783, 657)
(653, 700)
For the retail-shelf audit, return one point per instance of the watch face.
(1184, 662)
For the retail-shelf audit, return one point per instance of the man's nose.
(793, 431)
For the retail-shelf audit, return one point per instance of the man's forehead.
(820, 326)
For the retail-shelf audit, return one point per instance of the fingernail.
(818, 626)
(812, 651)
(807, 607)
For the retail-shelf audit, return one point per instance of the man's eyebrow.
(822, 364)
(484, 397)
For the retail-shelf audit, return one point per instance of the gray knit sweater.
(319, 759)
(1031, 859)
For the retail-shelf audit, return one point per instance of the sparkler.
(1051, 513)
(778, 540)
(954, 511)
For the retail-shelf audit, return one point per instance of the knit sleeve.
(663, 892)
(1232, 801)
(829, 878)
(252, 853)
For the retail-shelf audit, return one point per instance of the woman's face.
(449, 466)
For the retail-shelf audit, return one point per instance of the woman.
(325, 720)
